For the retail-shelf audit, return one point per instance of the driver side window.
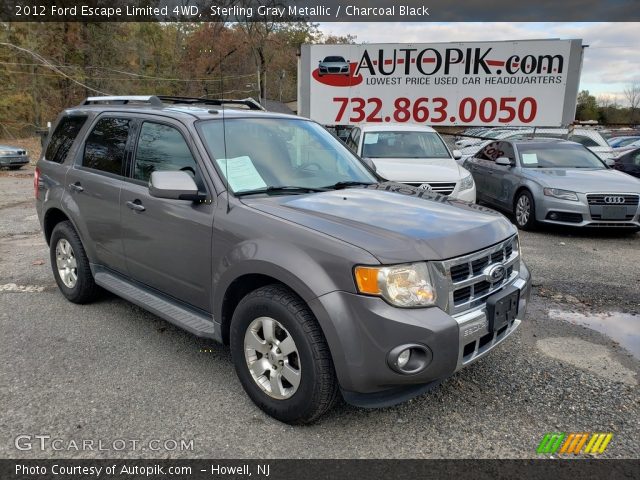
(162, 148)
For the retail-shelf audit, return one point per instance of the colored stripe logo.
(574, 443)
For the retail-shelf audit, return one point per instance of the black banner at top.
(318, 11)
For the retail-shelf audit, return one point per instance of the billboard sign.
(509, 83)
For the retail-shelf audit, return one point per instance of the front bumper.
(361, 331)
(13, 160)
(580, 213)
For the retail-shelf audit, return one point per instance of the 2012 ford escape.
(263, 232)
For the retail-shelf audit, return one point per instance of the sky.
(611, 62)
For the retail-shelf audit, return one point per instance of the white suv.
(415, 155)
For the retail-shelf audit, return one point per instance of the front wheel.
(525, 211)
(281, 356)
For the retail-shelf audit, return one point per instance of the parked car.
(13, 157)
(620, 151)
(333, 65)
(264, 232)
(619, 142)
(415, 155)
(588, 137)
(554, 181)
(629, 162)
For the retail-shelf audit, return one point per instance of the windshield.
(558, 156)
(403, 145)
(276, 152)
(334, 59)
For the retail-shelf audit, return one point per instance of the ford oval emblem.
(495, 273)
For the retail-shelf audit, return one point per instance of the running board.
(189, 319)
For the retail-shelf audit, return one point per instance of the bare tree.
(632, 94)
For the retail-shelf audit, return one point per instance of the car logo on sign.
(611, 199)
(495, 273)
(425, 186)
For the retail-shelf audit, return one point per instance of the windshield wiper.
(346, 184)
(280, 189)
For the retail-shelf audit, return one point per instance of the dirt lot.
(110, 370)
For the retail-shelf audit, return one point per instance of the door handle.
(136, 206)
(76, 186)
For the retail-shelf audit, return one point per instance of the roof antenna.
(224, 133)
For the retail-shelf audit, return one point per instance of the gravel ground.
(111, 371)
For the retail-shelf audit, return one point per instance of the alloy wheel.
(66, 263)
(272, 358)
(523, 210)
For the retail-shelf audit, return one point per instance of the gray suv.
(264, 232)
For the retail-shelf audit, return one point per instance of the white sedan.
(415, 155)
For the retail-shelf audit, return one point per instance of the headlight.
(5, 152)
(466, 183)
(563, 194)
(407, 285)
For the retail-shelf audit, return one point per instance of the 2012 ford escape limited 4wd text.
(263, 232)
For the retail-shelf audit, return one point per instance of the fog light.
(404, 357)
(410, 358)
(553, 216)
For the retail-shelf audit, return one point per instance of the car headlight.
(466, 183)
(407, 285)
(5, 152)
(562, 194)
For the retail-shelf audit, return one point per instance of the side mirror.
(370, 164)
(610, 162)
(504, 161)
(457, 154)
(173, 186)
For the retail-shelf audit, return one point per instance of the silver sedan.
(552, 181)
(13, 157)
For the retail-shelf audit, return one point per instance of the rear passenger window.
(63, 137)
(162, 147)
(105, 147)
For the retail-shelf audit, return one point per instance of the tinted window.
(161, 147)
(495, 150)
(105, 146)
(636, 158)
(63, 137)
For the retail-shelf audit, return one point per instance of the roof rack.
(247, 102)
(124, 100)
(162, 100)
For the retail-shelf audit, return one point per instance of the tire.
(67, 253)
(317, 387)
(524, 211)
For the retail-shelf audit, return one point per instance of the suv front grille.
(443, 188)
(465, 279)
(600, 199)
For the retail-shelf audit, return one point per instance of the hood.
(418, 169)
(585, 180)
(395, 223)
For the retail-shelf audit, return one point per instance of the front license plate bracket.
(502, 307)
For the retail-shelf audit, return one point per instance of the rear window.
(63, 137)
(105, 147)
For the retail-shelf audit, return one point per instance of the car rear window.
(105, 147)
(63, 137)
